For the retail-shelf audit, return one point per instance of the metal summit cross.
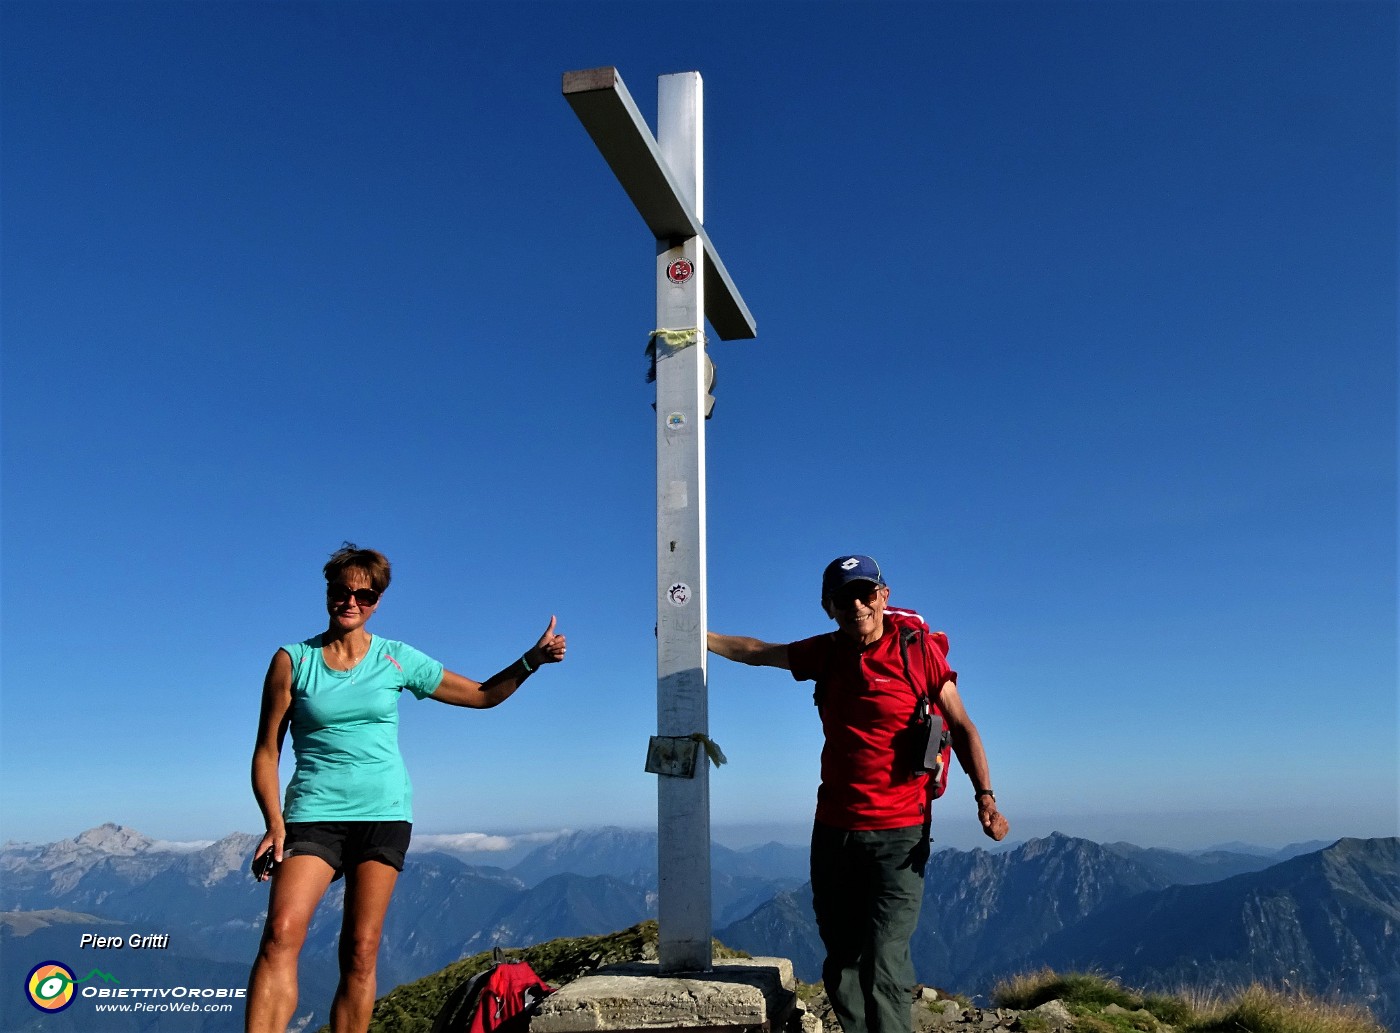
(664, 178)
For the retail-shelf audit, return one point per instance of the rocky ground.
(930, 1013)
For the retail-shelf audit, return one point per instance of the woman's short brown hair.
(350, 555)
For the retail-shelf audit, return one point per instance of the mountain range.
(1325, 920)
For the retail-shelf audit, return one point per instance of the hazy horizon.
(517, 842)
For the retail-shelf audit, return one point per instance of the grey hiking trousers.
(867, 888)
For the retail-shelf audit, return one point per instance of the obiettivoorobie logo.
(50, 985)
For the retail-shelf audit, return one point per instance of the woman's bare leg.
(298, 884)
(368, 889)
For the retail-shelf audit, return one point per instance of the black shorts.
(345, 844)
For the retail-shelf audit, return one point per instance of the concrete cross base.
(748, 995)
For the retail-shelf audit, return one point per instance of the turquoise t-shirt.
(345, 732)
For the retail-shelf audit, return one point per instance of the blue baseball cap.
(845, 569)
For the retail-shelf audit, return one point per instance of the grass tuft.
(1260, 1009)
(1256, 1009)
(1088, 989)
(1174, 1011)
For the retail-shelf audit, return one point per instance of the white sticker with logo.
(678, 594)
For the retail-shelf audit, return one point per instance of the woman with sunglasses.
(348, 808)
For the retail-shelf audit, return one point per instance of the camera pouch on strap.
(932, 743)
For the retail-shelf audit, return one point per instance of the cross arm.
(601, 101)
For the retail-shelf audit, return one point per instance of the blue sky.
(1081, 317)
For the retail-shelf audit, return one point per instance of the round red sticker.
(680, 270)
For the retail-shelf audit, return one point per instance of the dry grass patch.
(1089, 989)
(1256, 1009)
(1260, 1009)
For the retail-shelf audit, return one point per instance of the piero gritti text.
(136, 942)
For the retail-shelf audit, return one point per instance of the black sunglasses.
(845, 598)
(342, 593)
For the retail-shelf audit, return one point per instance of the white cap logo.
(850, 564)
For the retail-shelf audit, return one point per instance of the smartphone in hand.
(264, 863)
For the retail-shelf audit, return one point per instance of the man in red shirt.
(870, 837)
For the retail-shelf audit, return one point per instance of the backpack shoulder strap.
(923, 704)
(906, 636)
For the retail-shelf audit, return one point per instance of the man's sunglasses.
(341, 594)
(866, 592)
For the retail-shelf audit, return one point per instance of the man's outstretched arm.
(751, 651)
(967, 746)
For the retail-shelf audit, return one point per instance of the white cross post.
(664, 178)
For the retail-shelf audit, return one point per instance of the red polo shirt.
(866, 703)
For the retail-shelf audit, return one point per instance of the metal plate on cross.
(673, 755)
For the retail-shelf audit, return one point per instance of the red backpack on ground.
(499, 1000)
